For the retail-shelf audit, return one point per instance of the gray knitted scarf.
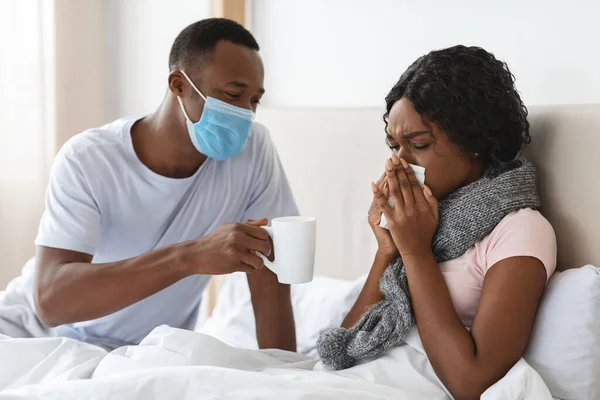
(466, 216)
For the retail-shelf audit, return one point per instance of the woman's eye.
(233, 95)
(391, 143)
(420, 146)
(256, 101)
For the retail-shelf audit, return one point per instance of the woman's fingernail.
(395, 159)
(404, 163)
(388, 165)
(427, 190)
(374, 187)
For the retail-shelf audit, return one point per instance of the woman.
(482, 256)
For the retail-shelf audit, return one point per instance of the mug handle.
(267, 263)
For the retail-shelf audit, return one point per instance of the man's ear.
(176, 83)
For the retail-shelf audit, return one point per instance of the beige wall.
(81, 67)
(74, 70)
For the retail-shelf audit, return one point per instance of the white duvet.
(176, 364)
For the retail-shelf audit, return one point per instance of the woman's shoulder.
(525, 232)
(525, 219)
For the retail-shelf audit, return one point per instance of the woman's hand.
(413, 220)
(386, 248)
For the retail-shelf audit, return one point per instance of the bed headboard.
(565, 148)
(331, 155)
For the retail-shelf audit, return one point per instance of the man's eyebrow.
(414, 134)
(242, 85)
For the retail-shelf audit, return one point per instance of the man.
(142, 211)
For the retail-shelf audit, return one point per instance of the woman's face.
(424, 143)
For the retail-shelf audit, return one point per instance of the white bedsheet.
(172, 363)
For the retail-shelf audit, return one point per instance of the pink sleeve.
(523, 233)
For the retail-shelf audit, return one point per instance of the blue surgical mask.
(223, 129)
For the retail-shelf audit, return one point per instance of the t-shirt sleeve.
(272, 196)
(523, 233)
(71, 219)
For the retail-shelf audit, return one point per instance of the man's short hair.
(200, 39)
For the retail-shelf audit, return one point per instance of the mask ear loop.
(197, 91)
(194, 86)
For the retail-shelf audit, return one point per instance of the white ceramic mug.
(294, 241)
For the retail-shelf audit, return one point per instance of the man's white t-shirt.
(102, 200)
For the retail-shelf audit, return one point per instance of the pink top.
(521, 233)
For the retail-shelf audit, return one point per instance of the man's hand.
(264, 275)
(229, 248)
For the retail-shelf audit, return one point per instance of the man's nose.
(249, 106)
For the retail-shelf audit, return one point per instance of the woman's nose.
(402, 153)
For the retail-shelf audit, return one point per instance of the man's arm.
(70, 289)
(272, 310)
(271, 198)
(272, 306)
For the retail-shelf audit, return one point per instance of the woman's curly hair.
(472, 96)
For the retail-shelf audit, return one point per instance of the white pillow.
(318, 305)
(565, 344)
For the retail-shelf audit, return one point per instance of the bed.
(335, 153)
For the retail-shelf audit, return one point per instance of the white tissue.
(420, 175)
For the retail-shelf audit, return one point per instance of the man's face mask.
(223, 129)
